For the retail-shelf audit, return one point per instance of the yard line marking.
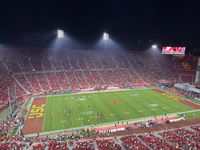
(62, 112)
(53, 115)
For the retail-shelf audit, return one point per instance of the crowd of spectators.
(132, 142)
(181, 138)
(35, 73)
(155, 142)
(83, 69)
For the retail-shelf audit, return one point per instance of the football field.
(76, 110)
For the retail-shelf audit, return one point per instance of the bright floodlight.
(60, 33)
(154, 46)
(105, 36)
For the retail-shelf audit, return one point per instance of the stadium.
(78, 78)
(92, 94)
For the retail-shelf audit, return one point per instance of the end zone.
(34, 121)
(177, 98)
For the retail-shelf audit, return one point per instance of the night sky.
(85, 20)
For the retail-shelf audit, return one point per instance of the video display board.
(173, 50)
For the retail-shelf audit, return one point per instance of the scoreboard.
(173, 50)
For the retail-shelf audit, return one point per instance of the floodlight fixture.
(105, 36)
(60, 33)
(154, 46)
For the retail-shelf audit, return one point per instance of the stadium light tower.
(60, 33)
(105, 36)
(154, 46)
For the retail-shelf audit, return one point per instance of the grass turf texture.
(69, 111)
(190, 115)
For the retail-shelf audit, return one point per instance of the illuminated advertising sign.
(173, 50)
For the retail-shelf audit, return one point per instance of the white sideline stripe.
(89, 126)
(28, 108)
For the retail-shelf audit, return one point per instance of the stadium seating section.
(32, 72)
(182, 138)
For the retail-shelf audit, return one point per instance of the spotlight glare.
(105, 36)
(60, 33)
(154, 46)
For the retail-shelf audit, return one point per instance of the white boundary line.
(28, 108)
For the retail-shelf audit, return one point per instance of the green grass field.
(69, 111)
